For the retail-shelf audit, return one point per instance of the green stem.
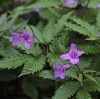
(33, 32)
(81, 73)
(88, 3)
(36, 36)
(78, 69)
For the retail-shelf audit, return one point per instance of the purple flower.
(37, 10)
(98, 35)
(27, 38)
(98, 6)
(60, 70)
(24, 37)
(69, 2)
(16, 39)
(72, 55)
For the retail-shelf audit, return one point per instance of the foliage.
(55, 27)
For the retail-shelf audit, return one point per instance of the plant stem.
(78, 68)
(35, 36)
(88, 3)
(33, 32)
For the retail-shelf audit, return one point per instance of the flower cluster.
(23, 37)
(73, 56)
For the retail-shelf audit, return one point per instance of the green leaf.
(48, 32)
(52, 57)
(90, 28)
(79, 29)
(66, 90)
(90, 48)
(45, 4)
(84, 63)
(58, 25)
(13, 62)
(35, 49)
(72, 73)
(91, 78)
(38, 34)
(82, 94)
(47, 74)
(33, 65)
(89, 71)
(54, 11)
(91, 86)
(93, 4)
(98, 19)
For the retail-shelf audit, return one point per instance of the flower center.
(26, 37)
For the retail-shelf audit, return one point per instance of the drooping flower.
(69, 2)
(37, 10)
(24, 37)
(60, 70)
(98, 6)
(73, 55)
(27, 38)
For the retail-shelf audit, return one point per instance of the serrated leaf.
(13, 62)
(33, 65)
(82, 94)
(47, 74)
(35, 49)
(90, 86)
(90, 28)
(78, 29)
(66, 90)
(72, 73)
